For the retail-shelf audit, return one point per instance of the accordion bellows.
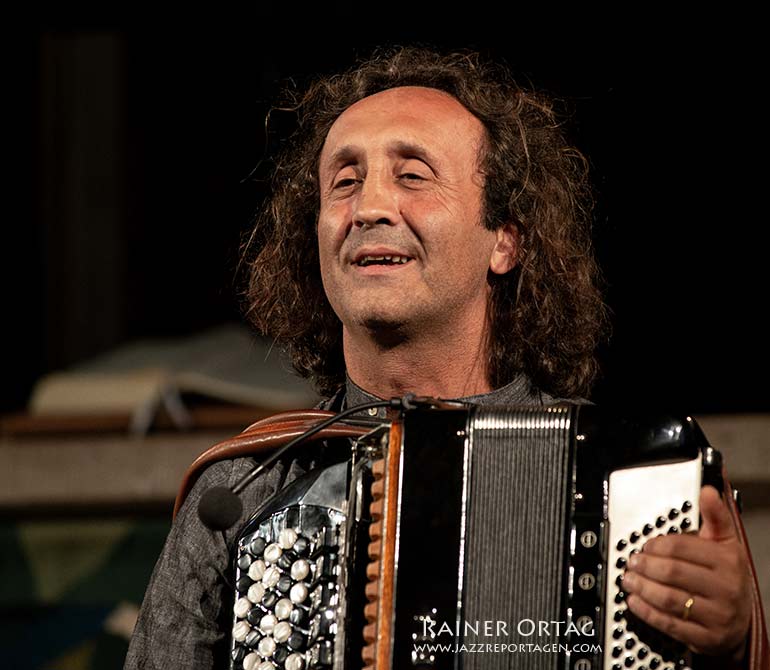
(470, 537)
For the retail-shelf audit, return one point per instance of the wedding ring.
(687, 609)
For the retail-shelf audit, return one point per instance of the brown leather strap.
(757, 651)
(262, 437)
(291, 415)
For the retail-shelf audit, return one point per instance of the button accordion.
(470, 537)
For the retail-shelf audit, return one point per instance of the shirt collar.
(517, 392)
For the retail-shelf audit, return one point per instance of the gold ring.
(687, 609)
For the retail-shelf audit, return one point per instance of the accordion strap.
(262, 437)
(757, 651)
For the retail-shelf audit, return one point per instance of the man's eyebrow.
(412, 150)
(349, 152)
(342, 155)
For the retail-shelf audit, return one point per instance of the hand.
(711, 568)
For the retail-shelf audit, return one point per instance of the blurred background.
(132, 146)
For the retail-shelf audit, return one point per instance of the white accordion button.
(257, 570)
(295, 662)
(250, 661)
(266, 665)
(273, 552)
(256, 593)
(240, 631)
(298, 593)
(271, 577)
(266, 647)
(300, 569)
(283, 609)
(282, 631)
(242, 607)
(287, 537)
(267, 623)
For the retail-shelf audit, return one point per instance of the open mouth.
(365, 261)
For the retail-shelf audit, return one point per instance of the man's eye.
(411, 176)
(344, 183)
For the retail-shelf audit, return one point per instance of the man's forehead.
(417, 113)
(409, 95)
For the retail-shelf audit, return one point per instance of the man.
(428, 233)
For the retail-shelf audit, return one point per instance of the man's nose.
(377, 203)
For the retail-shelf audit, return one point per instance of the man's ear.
(506, 252)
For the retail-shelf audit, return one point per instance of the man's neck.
(453, 367)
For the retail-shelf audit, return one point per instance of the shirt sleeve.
(186, 614)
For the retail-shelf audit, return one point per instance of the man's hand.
(710, 568)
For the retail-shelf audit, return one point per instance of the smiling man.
(428, 232)
(404, 254)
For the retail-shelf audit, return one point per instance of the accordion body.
(470, 537)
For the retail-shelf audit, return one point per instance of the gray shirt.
(186, 615)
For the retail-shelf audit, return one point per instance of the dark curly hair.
(546, 315)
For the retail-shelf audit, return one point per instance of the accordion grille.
(516, 506)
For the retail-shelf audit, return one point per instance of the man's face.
(399, 178)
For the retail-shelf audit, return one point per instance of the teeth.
(398, 260)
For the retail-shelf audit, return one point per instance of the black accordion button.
(618, 615)
(296, 641)
(238, 654)
(616, 652)
(243, 584)
(617, 633)
(654, 663)
(301, 546)
(629, 661)
(630, 643)
(257, 547)
(673, 530)
(252, 639)
(686, 523)
(673, 514)
(244, 561)
(686, 506)
(617, 666)
(642, 653)
(255, 616)
(286, 559)
(619, 597)
(647, 529)
(284, 584)
(634, 537)
(622, 544)
(299, 617)
(621, 563)
(281, 654)
(660, 522)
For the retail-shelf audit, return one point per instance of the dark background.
(132, 138)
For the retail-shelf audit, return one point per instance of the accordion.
(470, 537)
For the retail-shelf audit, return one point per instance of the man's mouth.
(365, 261)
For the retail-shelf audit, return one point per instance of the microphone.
(220, 507)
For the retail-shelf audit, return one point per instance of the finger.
(717, 524)
(690, 578)
(672, 600)
(690, 548)
(689, 632)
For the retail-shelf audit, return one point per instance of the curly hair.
(546, 316)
